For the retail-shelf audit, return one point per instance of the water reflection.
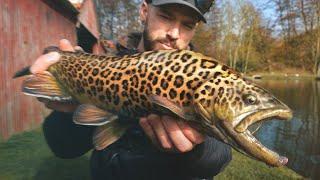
(298, 139)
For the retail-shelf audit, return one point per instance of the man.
(176, 151)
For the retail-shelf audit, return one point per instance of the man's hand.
(170, 134)
(42, 63)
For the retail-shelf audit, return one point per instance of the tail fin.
(23, 72)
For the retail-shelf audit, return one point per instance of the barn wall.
(26, 27)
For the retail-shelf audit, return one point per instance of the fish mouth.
(241, 138)
(262, 115)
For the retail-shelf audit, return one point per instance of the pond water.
(298, 139)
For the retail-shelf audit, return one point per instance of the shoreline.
(280, 75)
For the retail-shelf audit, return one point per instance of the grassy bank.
(26, 156)
(242, 167)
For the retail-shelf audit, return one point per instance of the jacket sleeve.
(206, 159)
(65, 138)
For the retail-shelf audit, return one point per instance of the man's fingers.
(158, 128)
(65, 45)
(44, 61)
(192, 134)
(78, 48)
(148, 130)
(180, 141)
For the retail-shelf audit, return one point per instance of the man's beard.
(150, 43)
(147, 42)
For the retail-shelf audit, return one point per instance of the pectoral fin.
(87, 114)
(203, 113)
(108, 134)
(209, 121)
(170, 106)
(44, 85)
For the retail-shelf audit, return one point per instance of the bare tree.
(118, 17)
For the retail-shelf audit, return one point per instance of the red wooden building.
(26, 28)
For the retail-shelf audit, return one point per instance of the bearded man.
(159, 147)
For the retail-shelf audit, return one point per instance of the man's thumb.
(65, 45)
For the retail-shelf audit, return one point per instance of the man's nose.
(174, 33)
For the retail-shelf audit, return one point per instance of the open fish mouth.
(241, 138)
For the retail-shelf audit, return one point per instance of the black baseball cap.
(200, 6)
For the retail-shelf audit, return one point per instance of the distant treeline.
(239, 33)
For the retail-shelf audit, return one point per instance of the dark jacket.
(133, 156)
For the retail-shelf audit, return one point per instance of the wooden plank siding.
(88, 18)
(26, 28)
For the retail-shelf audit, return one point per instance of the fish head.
(231, 104)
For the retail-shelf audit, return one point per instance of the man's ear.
(143, 12)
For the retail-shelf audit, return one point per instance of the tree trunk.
(248, 52)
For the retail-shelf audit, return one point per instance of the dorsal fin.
(51, 49)
(23, 72)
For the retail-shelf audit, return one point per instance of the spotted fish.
(180, 83)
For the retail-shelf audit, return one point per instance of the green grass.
(242, 167)
(26, 156)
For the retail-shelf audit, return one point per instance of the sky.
(267, 7)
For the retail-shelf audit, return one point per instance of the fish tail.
(23, 72)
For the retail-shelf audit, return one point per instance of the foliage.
(203, 40)
(118, 17)
(239, 34)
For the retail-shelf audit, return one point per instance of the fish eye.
(249, 99)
